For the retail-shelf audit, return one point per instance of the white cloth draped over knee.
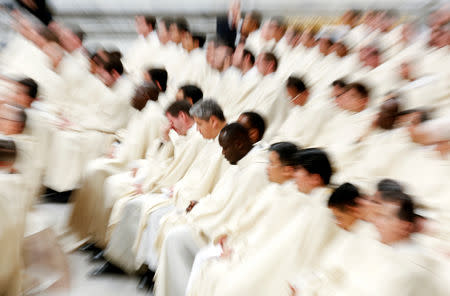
(198, 181)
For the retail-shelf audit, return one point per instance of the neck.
(189, 124)
(392, 241)
(308, 190)
(300, 99)
(283, 180)
(350, 224)
(246, 68)
(189, 49)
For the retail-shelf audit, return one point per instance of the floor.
(55, 215)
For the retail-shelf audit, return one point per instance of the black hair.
(315, 161)
(271, 58)
(181, 24)
(160, 76)
(192, 91)
(246, 53)
(297, 83)
(234, 131)
(285, 151)
(179, 106)
(201, 38)
(423, 113)
(344, 196)
(405, 202)
(360, 88)
(256, 121)
(114, 63)
(166, 22)
(389, 185)
(8, 150)
(150, 20)
(31, 85)
(339, 82)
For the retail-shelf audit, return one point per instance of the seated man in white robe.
(207, 215)
(13, 207)
(277, 202)
(187, 193)
(145, 27)
(297, 244)
(94, 123)
(88, 197)
(266, 99)
(347, 212)
(298, 95)
(12, 124)
(394, 254)
(306, 117)
(169, 191)
(190, 93)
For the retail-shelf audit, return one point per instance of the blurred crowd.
(268, 160)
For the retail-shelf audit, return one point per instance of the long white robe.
(297, 245)
(347, 270)
(207, 220)
(198, 181)
(13, 207)
(274, 208)
(142, 131)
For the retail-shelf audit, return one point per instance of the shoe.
(146, 281)
(88, 247)
(106, 268)
(98, 256)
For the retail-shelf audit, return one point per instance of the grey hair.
(205, 109)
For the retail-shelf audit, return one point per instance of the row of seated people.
(184, 190)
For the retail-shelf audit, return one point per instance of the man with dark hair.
(222, 56)
(145, 24)
(111, 71)
(338, 86)
(177, 29)
(255, 125)
(296, 111)
(8, 154)
(199, 40)
(190, 93)
(251, 23)
(212, 214)
(143, 131)
(179, 118)
(30, 87)
(343, 202)
(286, 245)
(158, 76)
(243, 59)
(146, 92)
(184, 179)
(39, 9)
(227, 26)
(12, 119)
